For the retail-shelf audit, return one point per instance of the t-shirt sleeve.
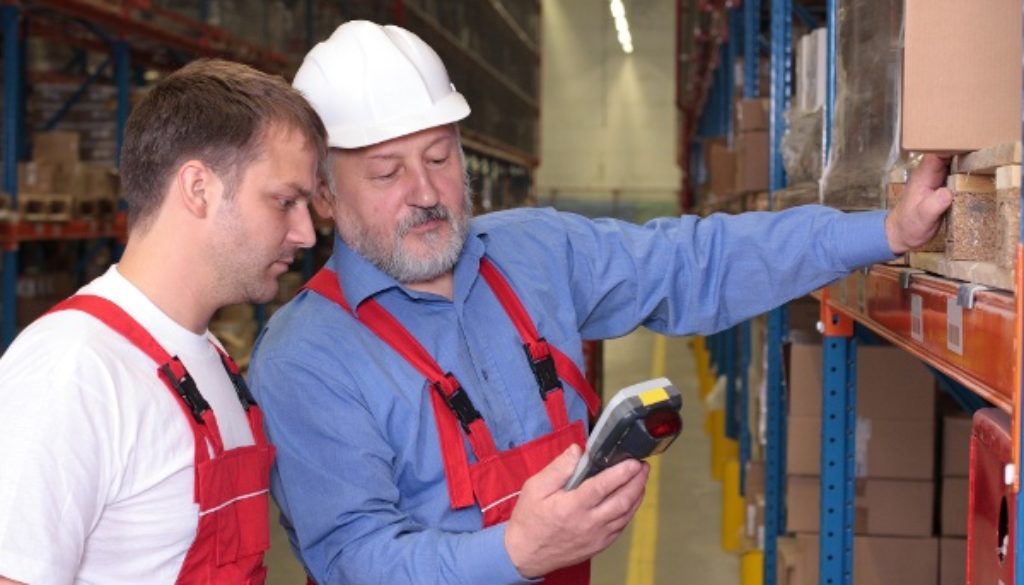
(55, 460)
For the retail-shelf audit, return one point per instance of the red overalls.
(230, 486)
(494, 481)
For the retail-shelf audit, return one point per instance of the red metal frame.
(13, 232)
(209, 41)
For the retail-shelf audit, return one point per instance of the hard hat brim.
(450, 109)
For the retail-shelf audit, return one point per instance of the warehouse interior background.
(871, 430)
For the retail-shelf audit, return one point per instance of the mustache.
(421, 216)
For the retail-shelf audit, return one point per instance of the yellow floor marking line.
(644, 539)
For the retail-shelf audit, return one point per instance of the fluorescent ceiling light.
(622, 25)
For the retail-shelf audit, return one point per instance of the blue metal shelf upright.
(775, 448)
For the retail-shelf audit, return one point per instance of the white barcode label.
(954, 327)
(916, 320)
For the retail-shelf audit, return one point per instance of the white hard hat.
(372, 83)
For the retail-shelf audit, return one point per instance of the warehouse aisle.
(683, 532)
(681, 528)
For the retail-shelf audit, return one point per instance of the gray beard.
(391, 257)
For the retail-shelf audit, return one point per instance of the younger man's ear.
(196, 185)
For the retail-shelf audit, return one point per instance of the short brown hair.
(214, 111)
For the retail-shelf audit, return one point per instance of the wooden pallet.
(985, 273)
(94, 207)
(51, 207)
(985, 162)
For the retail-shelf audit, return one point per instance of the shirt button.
(484, 374)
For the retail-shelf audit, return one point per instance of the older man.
(424, 393)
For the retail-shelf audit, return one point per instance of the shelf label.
(916, 320)
(954, 327)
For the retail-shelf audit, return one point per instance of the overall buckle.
(544, 369)
(458, 402)
(185, 386)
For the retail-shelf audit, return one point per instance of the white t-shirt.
(96, 456)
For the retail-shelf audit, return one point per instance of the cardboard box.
(40, 178)
(752, 161)
(721, 164)
(956, 446)
(953, 521)
(804, 314)
(961, 90)
(883, 507)
(886, 449)
(752, 115)
(952, 561)
(56, 147)
(876, 561)
(891, 384)
(101, 181)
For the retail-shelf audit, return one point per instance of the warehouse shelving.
(151, 36)
(970, 335)
(164, 35)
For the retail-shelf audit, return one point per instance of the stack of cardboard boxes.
(895, 465)
(736, 175)
(751, 145)
(956, 441)
(57, 186)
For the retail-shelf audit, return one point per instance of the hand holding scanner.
(639, 421)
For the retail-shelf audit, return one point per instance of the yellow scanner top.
(653, 396)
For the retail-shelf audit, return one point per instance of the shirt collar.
(360, 279)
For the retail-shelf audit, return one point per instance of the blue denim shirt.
(358, 475)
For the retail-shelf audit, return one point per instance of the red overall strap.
(252, 411)
(120, 321)
(388, 329)
(538, 348)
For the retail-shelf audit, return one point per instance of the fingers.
(597, 489)
(930, 173)
(935, 204)
(554, 477)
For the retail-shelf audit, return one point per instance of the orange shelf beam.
(921, 314)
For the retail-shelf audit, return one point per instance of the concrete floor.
(681, 520)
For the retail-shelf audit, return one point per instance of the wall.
(608, 121)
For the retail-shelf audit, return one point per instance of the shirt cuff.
(861, 238)
(489, 561)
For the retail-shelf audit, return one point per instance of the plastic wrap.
(801, 146)
(865, 128)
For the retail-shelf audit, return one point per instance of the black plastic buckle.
(186, 388)
(544, 371)
(241, 388)
(459, 403)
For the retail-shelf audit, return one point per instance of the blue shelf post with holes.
(775, 449)
(744, 400)
(11, 131)
(838, 439)
(732, 421)
(749, 23)
(122, 81)
(839, 404)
